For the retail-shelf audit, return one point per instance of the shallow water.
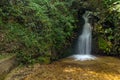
(102, 68)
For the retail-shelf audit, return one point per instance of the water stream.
(84, 41)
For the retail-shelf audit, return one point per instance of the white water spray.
(84, 41)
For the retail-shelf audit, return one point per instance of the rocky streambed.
(103, 68)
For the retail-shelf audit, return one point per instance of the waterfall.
(84, 41)
(83, 49)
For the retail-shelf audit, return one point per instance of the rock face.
(6, 66)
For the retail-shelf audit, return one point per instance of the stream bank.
(6, 65)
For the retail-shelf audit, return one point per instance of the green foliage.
(110, 34)
(109, 3)
(41, 28)
(104, 45)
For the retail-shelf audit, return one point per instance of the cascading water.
(84, 41)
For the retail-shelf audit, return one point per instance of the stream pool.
(102, 68)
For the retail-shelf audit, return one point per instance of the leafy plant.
(108, 27)
(41, 28)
